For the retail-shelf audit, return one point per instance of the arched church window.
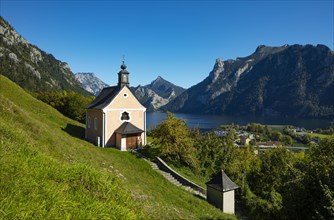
(125, 116)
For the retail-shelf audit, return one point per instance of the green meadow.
(48, 171)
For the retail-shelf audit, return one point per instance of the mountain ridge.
(31, 67)
(156, 94)
(90, 82)
(289, 80)
(276, 81)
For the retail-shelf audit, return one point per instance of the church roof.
(104, 98)
(222, 182)
(128, 128)
(109, 93)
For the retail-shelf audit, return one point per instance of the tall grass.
(47, 171)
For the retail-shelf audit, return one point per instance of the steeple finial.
(123, 66)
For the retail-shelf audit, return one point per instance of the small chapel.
(116, 118)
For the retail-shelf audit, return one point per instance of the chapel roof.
(128, 128)
(109, 93)
(104, 98)
(222, 182)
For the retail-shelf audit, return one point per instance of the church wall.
(111, 124)
(93, 132)
(123, 102)
(125, 99)
(113, 121)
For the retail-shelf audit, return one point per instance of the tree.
(276, 136)
(288, 141)
(320, 179)
(69, 103)
(271, 184)
(314, 186)
(276, 167)
(174, 138)
(210, 152)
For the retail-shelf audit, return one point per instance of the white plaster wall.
(228, 202)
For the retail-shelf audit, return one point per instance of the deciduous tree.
(176, 145)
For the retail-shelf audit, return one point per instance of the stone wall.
(163, 166)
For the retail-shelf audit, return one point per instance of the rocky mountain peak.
(9, 35)
(158, 93)
(219, 63)
(90, 82)
(158, 80)
(289, 80)
(217, 69)
(260, 48)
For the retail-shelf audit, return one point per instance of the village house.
(116, 118)
(245, 140)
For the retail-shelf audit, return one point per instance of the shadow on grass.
(75, 131)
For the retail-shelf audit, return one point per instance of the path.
(171, 179)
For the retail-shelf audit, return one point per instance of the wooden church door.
(131, 141)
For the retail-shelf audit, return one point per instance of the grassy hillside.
(49, 171)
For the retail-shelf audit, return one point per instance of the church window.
(125, 116)
(88, 122)
(95, 123)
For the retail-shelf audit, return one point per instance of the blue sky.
(178, 40)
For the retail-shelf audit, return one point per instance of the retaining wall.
(163, 166)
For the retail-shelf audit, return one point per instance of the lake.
(207, 122)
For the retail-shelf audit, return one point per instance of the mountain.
(90, 82)
(30, 67)
(291, 80)
(154, 95)
(157, 94)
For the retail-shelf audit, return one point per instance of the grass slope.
(48, 171)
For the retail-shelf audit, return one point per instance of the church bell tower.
(123, 76)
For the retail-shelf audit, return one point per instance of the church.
(116, 118)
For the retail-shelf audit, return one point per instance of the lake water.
(206, 122)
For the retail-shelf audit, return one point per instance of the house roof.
(222, 182)
(128, 128)
(104, 98)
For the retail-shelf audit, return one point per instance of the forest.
(275, 184)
